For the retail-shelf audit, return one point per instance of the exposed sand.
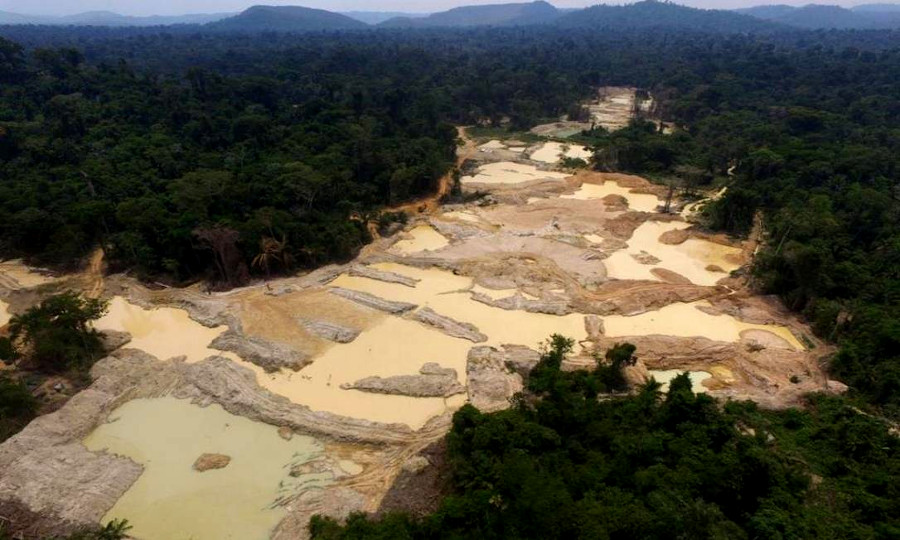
(492, 145)
(685, 320)
(424, 238)
(462, 216)
(639, 202)
(507, 172)
(163, 332)
(171, 500)
(664, 377)
(552, 152)
(15, 275)
(4, 313)
(689, 259)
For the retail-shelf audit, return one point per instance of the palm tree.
(272, 251)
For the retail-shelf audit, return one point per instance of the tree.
(611, 372)
(223, 243)
(56, 335)
(272, 251)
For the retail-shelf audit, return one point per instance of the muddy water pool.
(170, 500)
(639, 202)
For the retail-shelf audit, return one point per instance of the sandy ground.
(467, 289)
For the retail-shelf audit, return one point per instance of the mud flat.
(507, 172)
(171, 500)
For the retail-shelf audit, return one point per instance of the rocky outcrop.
(432, 381)
(520, 359)
(415, 465)
(637, 374)
(381, 275)
(669, 276)
(519, 302)
(266, 354)
(645, 258)
(674, 237)
(112, 340)
(594, 326)
(491, 383)
(208, 462)
(374, 302)
(329, 331)
(449, 326)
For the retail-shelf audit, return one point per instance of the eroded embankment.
(369, 360)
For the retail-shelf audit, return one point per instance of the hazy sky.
(171, 7)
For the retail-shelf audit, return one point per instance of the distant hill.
(767, 12)
(378, 17)
(490, 15)
(107, 18)
(877, 8)
(286, 19)
(816, 16)
(654, 14)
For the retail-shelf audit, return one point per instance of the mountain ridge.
(519, 14)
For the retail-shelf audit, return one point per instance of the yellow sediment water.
(4, 313)
(639, 202)
(552, 152)
(689, 259)
(395, 346)
(162, 332)
(664, 377)
(685, 320)
(447, 294)
(507, 172)
(424, 238)
(170, 500)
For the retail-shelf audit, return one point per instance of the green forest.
(563, 464)
(190, 156)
